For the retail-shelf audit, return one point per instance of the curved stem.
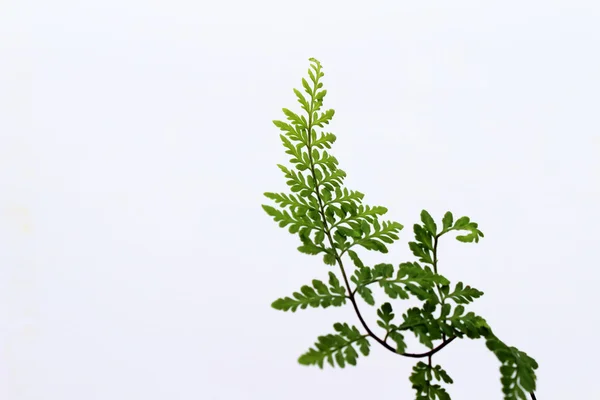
(430, 352)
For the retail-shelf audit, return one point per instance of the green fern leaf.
(461, 294)
(319, 295)
(517, 370)
(337, 349)
(422, 381)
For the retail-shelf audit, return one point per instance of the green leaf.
(517, 369)
(296, 180)
(384, 232)
(357, 262)
(422, 381)
(366, 294)
(471, 237)
(362, 276)
(319, 295)
(346, 196)
(398, 338)
(292, 134)
(465, 224)
(325, 194)
(271, 210)
(307, 87)
(393, 289)
(469, 324)
(338, 348)
(383, 270)
(319, 237)
(464, 294)
(312, 76)
(284, 218)
(310, 248)
(447, 221)
(349, 232)
(324, 118)
(423, 324)
(365, 227)
(461, 222)
(335, 284)
(419, 377)
(295, 204)
(295, 119)
(321, 95)
(423, 237)
(419, 281)
(410, 278)
(324, 141)
(439, 392)
(302, 100)
(428, 222)
(386, 315)
(329, 259)
(372, 244)
(439, 372)
(326, 162)
(420, 251)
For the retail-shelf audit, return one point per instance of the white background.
(136, 142)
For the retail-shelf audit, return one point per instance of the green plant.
(332, 220)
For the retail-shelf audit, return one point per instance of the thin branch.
(430, 352)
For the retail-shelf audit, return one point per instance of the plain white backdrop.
(136, 142)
